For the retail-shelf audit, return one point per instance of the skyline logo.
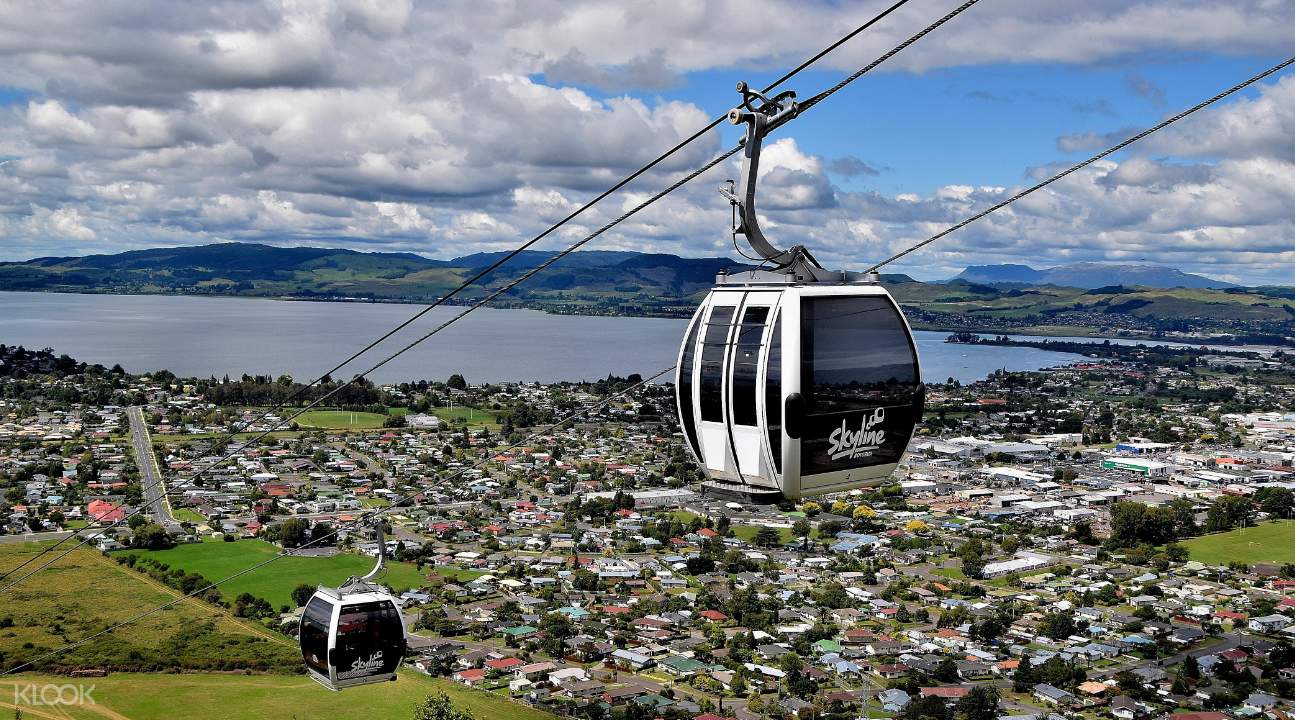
(362, 666)
(844, 443)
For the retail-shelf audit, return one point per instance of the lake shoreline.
(1066, 332)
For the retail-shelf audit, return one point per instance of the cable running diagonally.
(362, 520)
(483, 273)
(495, 294)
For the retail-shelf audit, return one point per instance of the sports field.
(216, 560)
(473, 417)
(207, 696)
(1272, 542)
(340, 420)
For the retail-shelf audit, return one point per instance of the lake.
(202, 336)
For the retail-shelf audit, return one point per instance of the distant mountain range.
(1072, 299)
(1089, 276)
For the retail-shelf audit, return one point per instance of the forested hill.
(629, 283)
(595, 281)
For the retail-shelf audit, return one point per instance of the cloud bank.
(453, 127)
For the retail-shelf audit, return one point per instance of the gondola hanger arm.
(761, 115)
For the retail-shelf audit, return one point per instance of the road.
(155, 502)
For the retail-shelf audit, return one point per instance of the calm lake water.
(193, 336)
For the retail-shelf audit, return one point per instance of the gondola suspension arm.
(762, 115)
(382, 552)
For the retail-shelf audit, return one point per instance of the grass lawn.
(474, 417)
(747, 533)
(340, 420)
(208, 696)
(188, 515)
(215, 560)
(457, 574)
(1270, 542)
(951, 573)
(85, 592)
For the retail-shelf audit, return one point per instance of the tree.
(1136, 524)
(1058, 625)
(1022, 677)
(925, 708)
(438, 706)
(801, 529)
(1276, 501)
(1229, 511)
(979, 704)
(290, 533)
(973, 566)
(1083, 533)
(302, 594)
(457, 382)
(557, 627)
(738, 685)
(1184, 513)
(766, 537)
(152, 536)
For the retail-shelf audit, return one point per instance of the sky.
(452, 127)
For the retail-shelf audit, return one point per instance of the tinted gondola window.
(855, 353)
(684, 390)
(746, 364)
(773, 394)
(859, 376)
(714, 344)
(314, 634)
(370, 640)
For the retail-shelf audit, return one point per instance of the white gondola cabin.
(797, 380)
(798, 389)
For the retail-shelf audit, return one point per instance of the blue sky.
(980, 125)
(454, 127)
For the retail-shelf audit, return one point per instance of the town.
(1109, 538)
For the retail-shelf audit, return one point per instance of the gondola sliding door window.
(859, 377)
(773, 393)
(314, 634)
(714, 345)
(685, 399)
(746, 364)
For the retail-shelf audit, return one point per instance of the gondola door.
(712, 375)
(745, 383)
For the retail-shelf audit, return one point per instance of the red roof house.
(105, 512)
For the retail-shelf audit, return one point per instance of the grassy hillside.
(86, 592)
(1106, 310)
